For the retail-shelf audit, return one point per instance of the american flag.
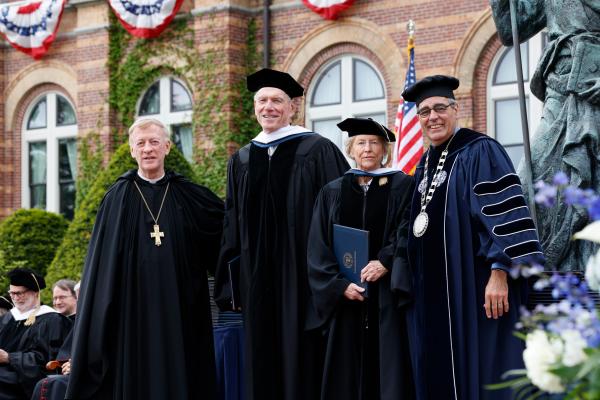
(409, 144)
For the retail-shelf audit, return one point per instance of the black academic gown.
(477, 217)
(143, 328)
(367, 346)
(268, 210)
(54, 387)
(29, 348)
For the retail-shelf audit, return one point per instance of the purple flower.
(594, 209)
(560, 179)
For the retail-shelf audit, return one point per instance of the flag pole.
(524, 125)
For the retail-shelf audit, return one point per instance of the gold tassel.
(31, 319)
(383, 180)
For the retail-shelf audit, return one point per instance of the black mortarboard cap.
(271, 78)
(366, 126)
(5, 303)
(430, 86)
(27, 278)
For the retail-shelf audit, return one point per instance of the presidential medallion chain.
(156, 234)
(422, 220)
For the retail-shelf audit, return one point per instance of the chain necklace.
(422, 219)
(156, 234)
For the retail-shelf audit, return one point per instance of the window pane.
(183, 139)
(65, 115)
(508, 122)
(180, 98)
(329, 87)
(37, 174)
(367, 85)
(506, 71)
(515, 152)
(37, 118)
(328, 128)
(151, 101)
(67, 171)
(375, 117)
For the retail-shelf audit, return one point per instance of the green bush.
(29, 238)
(69, 259)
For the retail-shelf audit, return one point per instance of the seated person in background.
(55, 386)
(64, 298)
(30, 336)
(5, 305)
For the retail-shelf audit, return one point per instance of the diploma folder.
(351, 249)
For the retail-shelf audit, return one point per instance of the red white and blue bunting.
(328, 9)
(145, 18)
(31, 27)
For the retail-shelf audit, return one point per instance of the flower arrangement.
(562, 354)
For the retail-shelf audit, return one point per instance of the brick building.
(354, 66)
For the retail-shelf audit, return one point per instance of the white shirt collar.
(19, 316)
(280, 133)
(148, 179)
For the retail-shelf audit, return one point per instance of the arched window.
(503, 114)
(49, 155)
(169, 101)
(347, 86)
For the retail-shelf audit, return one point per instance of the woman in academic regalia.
(367, 355)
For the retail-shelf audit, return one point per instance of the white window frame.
(165, 115)
(509, 91)
(347, 107)
(51, 134)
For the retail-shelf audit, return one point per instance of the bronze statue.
(567, 79)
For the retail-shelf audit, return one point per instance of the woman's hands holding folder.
(372, 271)
(354, 292)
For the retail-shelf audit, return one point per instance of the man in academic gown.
(469, 224)
(271, 188)
(143, 327)
(30, 336)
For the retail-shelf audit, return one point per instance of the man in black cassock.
(30, 335)
(469, 223)
(143, 328)
(271, 187)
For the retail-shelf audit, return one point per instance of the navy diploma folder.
(351, 249)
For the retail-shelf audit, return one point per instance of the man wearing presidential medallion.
(272, 184)
(469, 223)
(143, 327)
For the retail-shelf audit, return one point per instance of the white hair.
(148, 121)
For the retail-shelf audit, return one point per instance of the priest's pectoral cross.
(156, 235)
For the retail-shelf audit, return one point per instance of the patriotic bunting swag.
(409, 143)
(31, 27)
(328, 9)
(145, 18)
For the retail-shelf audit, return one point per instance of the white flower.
(592, 271)
(574, 344)
(590, 232)
(539, 355)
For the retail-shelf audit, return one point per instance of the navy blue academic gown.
(477, 217)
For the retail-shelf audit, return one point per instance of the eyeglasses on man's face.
(20, 293)
(56, 299)
(438, 108)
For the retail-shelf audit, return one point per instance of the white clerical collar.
(280, 133)
(148, 179)
(19, 316)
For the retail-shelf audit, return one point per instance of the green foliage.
(90, 151)
(29, 238)
(212, 168)
(70, 256)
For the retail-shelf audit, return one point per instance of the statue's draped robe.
(567, 79)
